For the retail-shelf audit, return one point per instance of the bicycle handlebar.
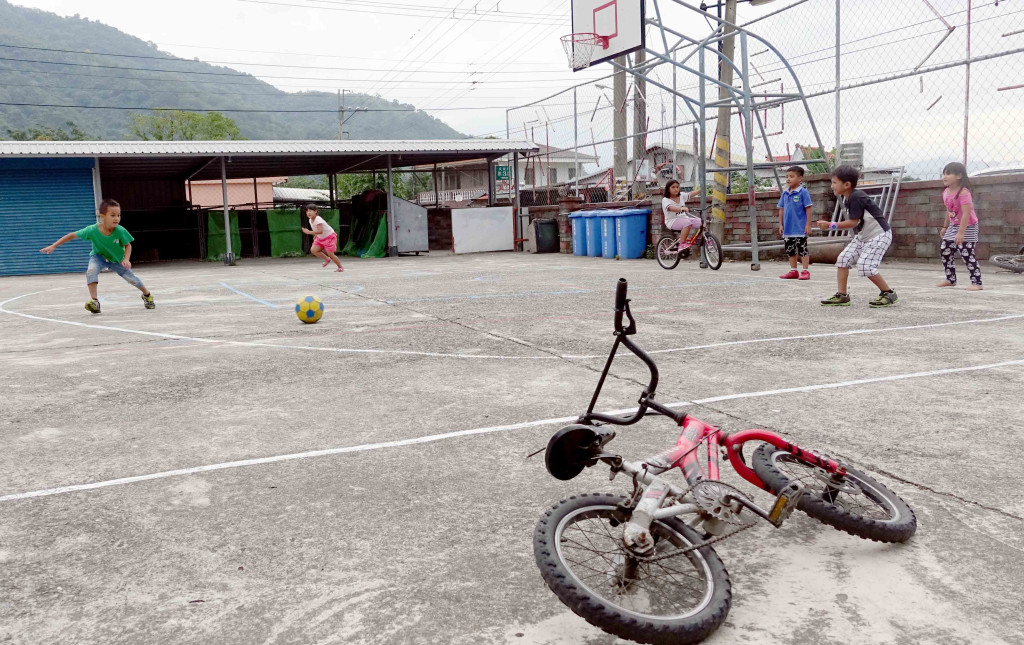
(620, 303)
(622, 337)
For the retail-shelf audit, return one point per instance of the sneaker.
(838, 300)
(148, 301)
(805, 275)
(340, 269)
(93, 306)
(792, 274)
(884, 299)
(326, 262)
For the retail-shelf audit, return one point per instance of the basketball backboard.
(620, 21)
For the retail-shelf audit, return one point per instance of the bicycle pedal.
(785, 502)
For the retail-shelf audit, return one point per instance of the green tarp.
(216, 246)
(286, 230)
(285, 233)
(368, 236)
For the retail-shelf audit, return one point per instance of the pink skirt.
(329, 243)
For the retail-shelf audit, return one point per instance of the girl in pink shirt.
(960, 232)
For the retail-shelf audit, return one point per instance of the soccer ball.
(309, 309)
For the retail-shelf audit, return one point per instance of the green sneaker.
(148, 301)
(838, 300)
(93, 306)
(884, 299)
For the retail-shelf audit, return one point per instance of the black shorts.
(796, 246)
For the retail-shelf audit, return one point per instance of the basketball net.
(579, 48)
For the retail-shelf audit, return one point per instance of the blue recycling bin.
(579, 232)
(593, 220)
(631, 232)
(609, 244)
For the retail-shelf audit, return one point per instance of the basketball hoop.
(579, 48)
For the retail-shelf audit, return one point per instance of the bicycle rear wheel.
(856, 503)
(1013, 263)
(667, 258)
(679, 599)
(712, 250)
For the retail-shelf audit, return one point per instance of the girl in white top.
(326, 241)
(674, 210)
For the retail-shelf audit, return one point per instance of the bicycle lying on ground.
(642, 566)
(1014, 263)
(669, 252)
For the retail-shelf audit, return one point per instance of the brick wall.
(919, 214)
(439, 229)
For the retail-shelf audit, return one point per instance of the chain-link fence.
(934, 82)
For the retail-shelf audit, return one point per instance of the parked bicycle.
(642, 566)
(670, 253)
(1013, 263)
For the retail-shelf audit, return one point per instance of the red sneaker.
(805, 275)
(790, 275)
(339, 270)
(326, 262)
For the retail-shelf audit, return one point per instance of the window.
(529, 176)
(572, 173)
(552, 175)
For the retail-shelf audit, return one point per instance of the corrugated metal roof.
(286, 194)
(249, 148)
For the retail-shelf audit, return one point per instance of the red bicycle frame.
(685, 454)
(695, 432)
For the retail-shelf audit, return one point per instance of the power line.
(240, 110)
(345, 56)
(389, 13)
(242, 74)
(248, 64)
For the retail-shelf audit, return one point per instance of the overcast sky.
(511, 47)
(502, 53)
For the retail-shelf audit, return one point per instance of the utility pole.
(341, 114)
(639, 121)
(619, 119)
(723, 157)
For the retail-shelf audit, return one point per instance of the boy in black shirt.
(870, 242)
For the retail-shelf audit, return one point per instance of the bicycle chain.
(694, 547)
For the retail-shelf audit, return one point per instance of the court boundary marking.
(348, 350)
(48, 492)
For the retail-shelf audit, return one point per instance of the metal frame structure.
(742, 98)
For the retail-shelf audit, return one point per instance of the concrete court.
(430, 542)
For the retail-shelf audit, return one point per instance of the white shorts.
(866, 255)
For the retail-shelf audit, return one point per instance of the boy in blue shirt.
(111, 249)
(795, 223)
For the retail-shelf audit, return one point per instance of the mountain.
(106, 80)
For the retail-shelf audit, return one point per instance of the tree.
(46, 133)
(180, 125)
(738, 183)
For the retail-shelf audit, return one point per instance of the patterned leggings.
(949, 260)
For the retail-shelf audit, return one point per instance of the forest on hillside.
(32, 73)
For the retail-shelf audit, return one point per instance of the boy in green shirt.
(111, 249)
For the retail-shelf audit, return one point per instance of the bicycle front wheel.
(855, 503)
(668, 258)
(712, 250)
(682, 599)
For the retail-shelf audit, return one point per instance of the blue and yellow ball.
(309, 309)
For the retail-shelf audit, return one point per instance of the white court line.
(249, 296)
(342, 350)
(243, 343)
(831, 334)
(478, 431)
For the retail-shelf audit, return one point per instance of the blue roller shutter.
(38, 206)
